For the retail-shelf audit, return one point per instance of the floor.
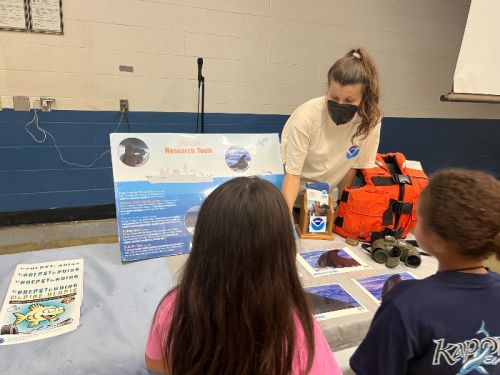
(57, 235)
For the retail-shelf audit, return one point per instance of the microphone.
(200, 65)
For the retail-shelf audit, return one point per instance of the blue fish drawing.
(475, 363)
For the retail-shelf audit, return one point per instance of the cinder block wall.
(262, 59)
(261, 56)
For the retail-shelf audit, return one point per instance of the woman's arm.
(290, 189)
(348, 180)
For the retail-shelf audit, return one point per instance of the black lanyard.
(467, 269)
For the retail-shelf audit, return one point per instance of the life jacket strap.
(395, 179)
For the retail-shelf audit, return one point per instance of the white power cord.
(46, 132)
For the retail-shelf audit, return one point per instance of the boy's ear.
(439, 245)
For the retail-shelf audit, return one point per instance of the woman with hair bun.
(327, 138)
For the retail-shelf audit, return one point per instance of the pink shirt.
(324, 362)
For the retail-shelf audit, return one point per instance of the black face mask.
(341, 113)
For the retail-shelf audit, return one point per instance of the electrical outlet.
(21, 103)
(46, 103)
(124, 105)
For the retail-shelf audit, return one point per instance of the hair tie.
(356, 55)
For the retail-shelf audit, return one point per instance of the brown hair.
(239, 291)
(463, 208)
(352, 69)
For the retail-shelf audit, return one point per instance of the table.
(119, 301)
(348, 331)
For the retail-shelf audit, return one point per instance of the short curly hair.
(463, 208)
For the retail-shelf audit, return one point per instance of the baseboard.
(58, 215)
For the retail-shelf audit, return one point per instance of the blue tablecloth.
(119, 301)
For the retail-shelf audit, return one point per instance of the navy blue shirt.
(448, 323)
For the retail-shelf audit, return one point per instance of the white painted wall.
(261, 56)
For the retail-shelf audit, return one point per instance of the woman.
(327, 138)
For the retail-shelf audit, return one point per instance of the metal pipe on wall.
(471, 98)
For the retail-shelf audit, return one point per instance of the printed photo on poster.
(133, 152)
(377, 286)
(43, 300)
(238, 159)
(332, 301)
(161, 181)
(331, 261)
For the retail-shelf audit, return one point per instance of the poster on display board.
(43, 300)
(162, 179)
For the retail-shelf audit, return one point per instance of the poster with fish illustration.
(377, 286)
(332, 301)
(321, 262)
(161, 180)
(43, 300)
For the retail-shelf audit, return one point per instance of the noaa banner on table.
(162, 179)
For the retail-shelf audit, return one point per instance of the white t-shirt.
(317, 149)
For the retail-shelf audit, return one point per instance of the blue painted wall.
(445, 143)
(33, 177)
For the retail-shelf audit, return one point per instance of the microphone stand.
(201, 90)
(202, 84)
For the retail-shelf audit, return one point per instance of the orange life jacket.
(384, 203)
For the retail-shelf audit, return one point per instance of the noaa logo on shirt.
(352, 152)
(317, 224)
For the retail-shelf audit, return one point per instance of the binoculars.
(391, 251)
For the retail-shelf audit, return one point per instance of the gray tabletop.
(348, 331)
(119, 301)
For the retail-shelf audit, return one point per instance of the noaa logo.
(317, 224)
(324, 193)
(1, 340)
(352, 152)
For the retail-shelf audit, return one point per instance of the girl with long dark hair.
(239, 307)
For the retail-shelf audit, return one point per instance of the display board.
(161, 181)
